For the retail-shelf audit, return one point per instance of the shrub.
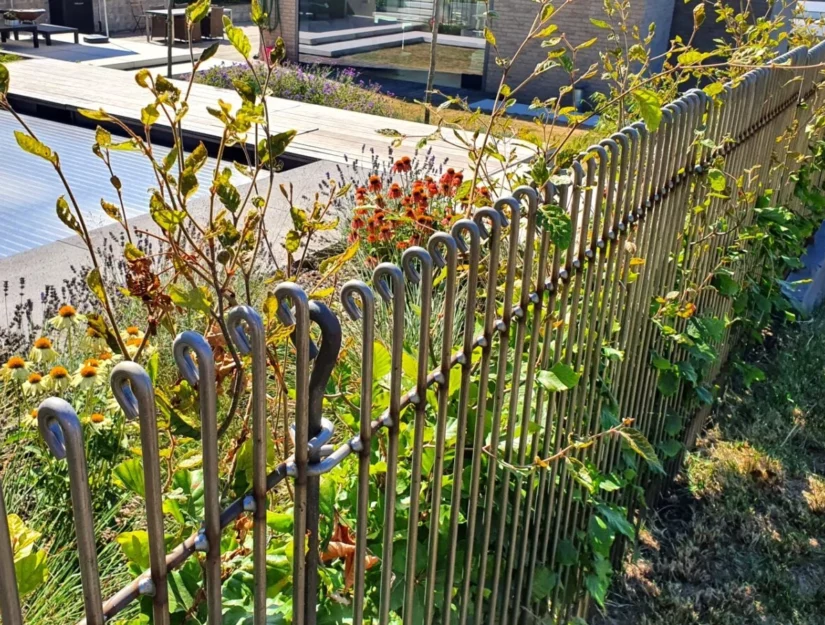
(314, 84)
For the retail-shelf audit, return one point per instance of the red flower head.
(432, 189)
(353, 237)
(395, 191)
(485, 192)
(357, 223)
(458, 179)
(402, 165)
(402, 245)
(372, 238)
(445, 187)
(379, 201)
(410, 213)
(428, 179)
(448, 176)
(375, 183)
(379, 215)
(360, 194)
(386, 233)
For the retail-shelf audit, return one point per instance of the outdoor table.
(178, 17)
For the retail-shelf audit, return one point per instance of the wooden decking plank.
(324, 133)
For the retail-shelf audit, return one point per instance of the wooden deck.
(324, 133)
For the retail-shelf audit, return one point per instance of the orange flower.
(445, 187)
(92, 333)
(67, 311)
(379, 201)
(485, 192)
(395, 191)
(91, 362)
(88, 371)
(375, 183)
(15, 362)
(357, 223)
(96, 417)
(402, 245)
(105, 356)
(35, 378)
(134, 342)
(43, 343)
(132, 330)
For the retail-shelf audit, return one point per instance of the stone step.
(368, 44)
(307, 38)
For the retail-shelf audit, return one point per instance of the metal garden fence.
(629, 198)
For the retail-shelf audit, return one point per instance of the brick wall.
(516, 16)
(119, 12)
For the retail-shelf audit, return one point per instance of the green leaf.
(547, 12)
(33, 146)
(95, 283)
(599, 23)
(129, 475)
(66, 216)
(135, 546)
(277, 145)
(716, 178)
(704, 395)
(668, 383)
(259, 18)
(149, 114)
(566, 555)
(237, 37)
(197, 159)
(229, 196)
(561, 377)
(278, 52)
(639, 443)
(544, 581)
(5, 79)
(616, 518)
(99, 115)
(670, 447)
(597, 587)
(31, 572)
(132, 252)
(292, 241)
(163, 214)
(188, 183)
(198, 299)
(382, 362)
(196, 11)
(22, 537)
(698, 15)
(279, 521)
(648, 103)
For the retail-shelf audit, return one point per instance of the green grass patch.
(741, 539)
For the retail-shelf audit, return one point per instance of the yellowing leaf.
(33, 146)
(237, 38)
(110, 209)
(66, 216)
(647, 101)
(95, 283)
(636, 262)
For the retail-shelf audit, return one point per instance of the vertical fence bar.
(446, 262)
(492, 233)
(61, 430)
(202, 377)
(292, 293)
(9, 597)
(367, 316)
(389, 283)
(501, 385)
(472, 252)
(133, 391)
(425, 279)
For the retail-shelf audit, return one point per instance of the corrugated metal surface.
(30, 186)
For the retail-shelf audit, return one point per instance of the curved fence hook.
(202, 377)
(387, 280)
(434, 246)
(494, 217)
(62, 432)
(366, 313)
(249, 335)
(326, 358)
(422, 256)
(289, 292)
(132, 388)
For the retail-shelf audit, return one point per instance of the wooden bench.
(47, 30)
(16, 29)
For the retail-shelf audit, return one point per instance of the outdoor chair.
(138, 14)
(212, 25)
(156, 24)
